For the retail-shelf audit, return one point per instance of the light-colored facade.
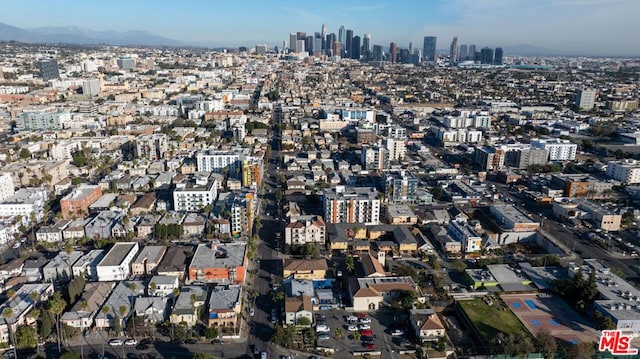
(465, 234)
(626, 171)
(152, 147)
(217, 161)
(116, 264)
(199, 192)
(559, 150)
(351, 205)
(304, 229)
(147, 260)
(6, 186)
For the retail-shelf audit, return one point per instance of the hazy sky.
(605, 27)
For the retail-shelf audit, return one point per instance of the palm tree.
(132, 287)
(56, 306)
(35, 314)
(7, 314)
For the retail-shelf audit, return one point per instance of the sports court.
(550, 313)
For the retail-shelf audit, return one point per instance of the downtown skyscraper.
(453, 51)
(429, 48)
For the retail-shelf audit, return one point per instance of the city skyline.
(571, 26)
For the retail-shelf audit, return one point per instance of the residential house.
(59, 268)
(21, 304)
(174, 262)
(86, 265)
(225, 304)
(119, 304)
(144, 205)
(83, 312)
(74, 230)
(296, 308)
(32, 269)
(163, 285)
(426, 325)
(186, 306)
(147, 260)
(152, 310)
(146, 224)
(101, 226)
(304, 229)
(193, 224)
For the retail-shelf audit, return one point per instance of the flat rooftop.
(117, 253)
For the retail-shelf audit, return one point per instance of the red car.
(368, 345)
(361, 315)
(366, 333)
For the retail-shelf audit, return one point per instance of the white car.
(397, 332)
(352, 319)
(130, 342)
(323, 329)
(364, 320)
(364, 327)
(115, 342)
(352, 328)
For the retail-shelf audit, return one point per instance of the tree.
(7, 314)
(203, 356)
(546, 344)
(437, 192)
(582, 350)
(459, 265)
(25, 153)
(35, 314)
(70, 355)
(56, 307)
(442, 344)
(350, 264)
(339, 333)
(25, 337)
(407, 299)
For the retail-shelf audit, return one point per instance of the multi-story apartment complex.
(400, 186)
(559, 150)
(489, 158)
(44, 119)
(627, 171)
(351, 205)
(374, 157)
(252, 171)
(6, 186)
(116, 265)
(304, 229)
(219, 263)
(218, 161)
(452, 137)
(78, 201)
(199, 191)
(152, 147)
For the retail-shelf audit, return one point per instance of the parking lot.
(381, 324)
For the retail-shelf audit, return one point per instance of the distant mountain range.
(80, 36)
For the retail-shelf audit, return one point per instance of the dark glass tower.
(429, 48)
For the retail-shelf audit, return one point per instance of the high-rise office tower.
(453, 51)
(301, 35)
(403, 56)
(471, 53)
(336, 48)
(330, 40)
(293, 37)
(341, 34)
(318, 43)
(463, 52)
(299, 46)
(497, 59)
(347, 43)
(366, 43)
(393, 52)
(308, 44)
(49, 69)
(377, 53)
(586, 99)
(323, 35)
(486, 55)
(355, 48)
(429, 48)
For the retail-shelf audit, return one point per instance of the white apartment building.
(374, 157)
(152, 147)
(627, 171)
(451, 137)
(6, 186)
(44, 119)
(559, 150)
(200, 191)
(304, 229)
(352, 205)
(117, 263)
(217, 161)
(23, 203)
(396, 148)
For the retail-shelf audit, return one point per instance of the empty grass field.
(490, 320)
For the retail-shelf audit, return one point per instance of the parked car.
(368, 345)
(131, 342)
(364, 320)
(142, 347)
(361, 315)
(352, 328)
(322, 329)
(364, 326)
(324, 337)
(252, 312)
(352, 318)
(191, 341)
(115, 342)
(366, 332)
(397, 332)
(368, 340)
